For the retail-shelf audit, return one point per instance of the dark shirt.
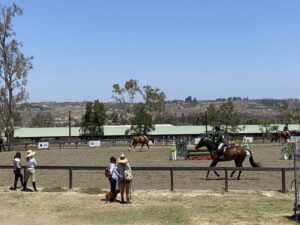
(286, 128)
(218, 137)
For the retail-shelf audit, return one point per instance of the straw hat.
(29, 153)
(122, 159)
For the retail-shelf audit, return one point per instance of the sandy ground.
(268, 155)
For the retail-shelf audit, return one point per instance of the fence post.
(76, 144)
(226, 180)
(172, 179)
(70, 178)
(283, 180)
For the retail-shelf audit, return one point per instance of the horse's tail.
(251, 160)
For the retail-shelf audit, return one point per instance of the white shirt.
(31, 163)
(17, 163)
(113, 171)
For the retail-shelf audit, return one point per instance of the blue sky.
(206, 49)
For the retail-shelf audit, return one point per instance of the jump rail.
(171, 169)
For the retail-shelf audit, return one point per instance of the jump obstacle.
(191, 154)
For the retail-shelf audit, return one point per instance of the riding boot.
(34, 187)
(15, 185)
(24, 186)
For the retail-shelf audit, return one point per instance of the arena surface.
(268, 155)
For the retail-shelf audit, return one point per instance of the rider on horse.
(286, 129)
(144, 135)
(219, 141)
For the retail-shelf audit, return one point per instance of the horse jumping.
(283, 134)
(140, 140)
(236, 153)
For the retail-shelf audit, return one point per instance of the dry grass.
(153, 207)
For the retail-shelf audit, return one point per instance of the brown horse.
(283, 135)
(140, 140)
(236, 153)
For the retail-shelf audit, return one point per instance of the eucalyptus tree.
(14, 68)
(125, 97)
(93, 120)
(154, 99)
(141, 121)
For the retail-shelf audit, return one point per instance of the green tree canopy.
(141, 121)
(94, 118)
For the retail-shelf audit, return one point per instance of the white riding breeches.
(220, 146)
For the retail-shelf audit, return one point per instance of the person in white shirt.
(113, 175)
(30, 169)
(17, 170)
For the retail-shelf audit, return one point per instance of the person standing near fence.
(30, 169)
(113, 175)
(124, 170)
(17, 170)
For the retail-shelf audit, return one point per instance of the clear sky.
(203, 48)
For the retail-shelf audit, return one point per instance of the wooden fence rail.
(172, 169)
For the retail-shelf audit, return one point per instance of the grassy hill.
(260, 108)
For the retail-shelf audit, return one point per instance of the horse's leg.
(142, 147)
(240, 164)
(213, 164)
(236, 164)
(148, 147)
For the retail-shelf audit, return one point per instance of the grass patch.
(54, 189)
(92, 191)
(167, 215)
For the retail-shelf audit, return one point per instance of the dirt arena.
(268, 155)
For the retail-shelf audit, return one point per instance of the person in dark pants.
(17, 170)
(113, 175)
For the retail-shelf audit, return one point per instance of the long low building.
(164, 131)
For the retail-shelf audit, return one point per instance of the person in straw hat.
(123, 165)
(30, 169)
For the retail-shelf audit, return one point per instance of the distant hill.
(260, 108)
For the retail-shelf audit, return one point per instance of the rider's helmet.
(217, 128)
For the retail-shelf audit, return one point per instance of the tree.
(212, 115)
(141, 121)
(266, 127)
(229, 117)
(154, 100)
(125, 96)
(42, 119)
(94, 118)
(14, 68)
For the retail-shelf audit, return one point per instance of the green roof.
(120, 130)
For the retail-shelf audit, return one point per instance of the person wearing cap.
(17, 170)
(113, 175)
(30, 169)
(123, 165)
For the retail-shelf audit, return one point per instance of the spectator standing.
(123, 166)
(17, 170)
(113, 175)
(30, 169)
